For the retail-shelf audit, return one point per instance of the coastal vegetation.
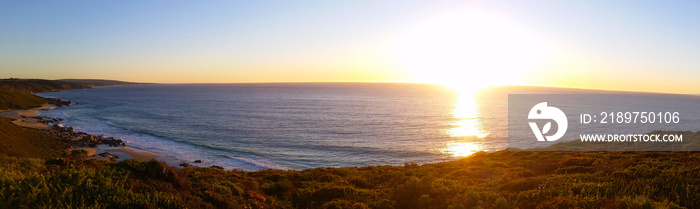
(16, 141)
(503, 179)
(36, 172)
(39, 85)
(98, 82)
(14, 99)
(18, 93)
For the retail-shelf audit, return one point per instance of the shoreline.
(27, 118)
(97, 147)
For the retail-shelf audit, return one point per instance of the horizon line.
(373, 82)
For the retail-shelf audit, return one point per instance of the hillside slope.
(98, 82)
(13, 99)
(39, 85)
(17, 141)
(484, 180)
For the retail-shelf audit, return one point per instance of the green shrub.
(501, 203)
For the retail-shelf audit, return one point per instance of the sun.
(468, 50)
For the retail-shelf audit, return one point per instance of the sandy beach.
(127, 152)
(25, 118)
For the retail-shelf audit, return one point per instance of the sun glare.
(468, 50)
(462, 149)
(467, 122)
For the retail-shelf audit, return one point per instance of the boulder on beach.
(110, 156)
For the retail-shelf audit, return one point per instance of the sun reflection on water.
(462, 149)
(467, 124)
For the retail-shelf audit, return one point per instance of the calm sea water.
(281, 126)
(294, 126)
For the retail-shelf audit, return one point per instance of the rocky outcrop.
(110, 156)
(81, 139)
(58, 102)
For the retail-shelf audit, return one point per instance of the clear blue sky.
(597, 42)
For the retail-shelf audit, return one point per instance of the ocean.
(292, 126)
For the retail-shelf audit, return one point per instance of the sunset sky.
(622, 45)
